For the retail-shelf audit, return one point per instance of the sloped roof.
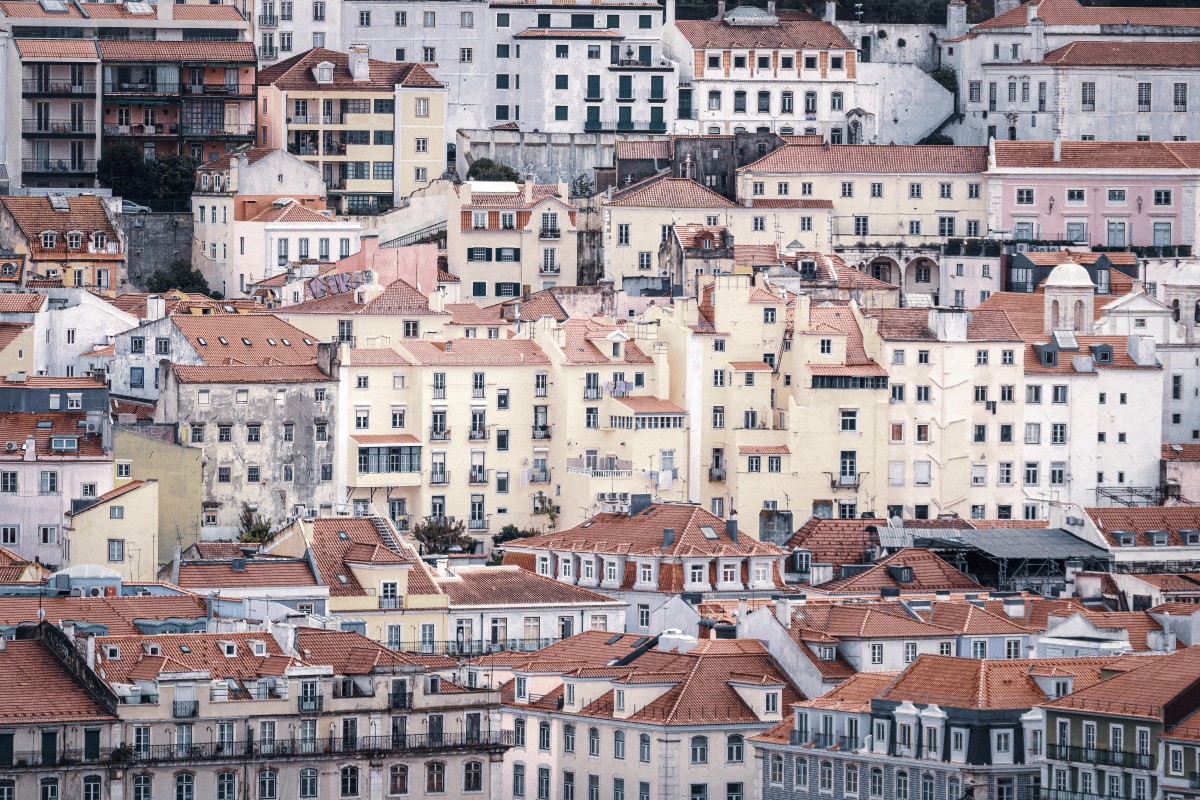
(1140, 519)
(513, 587)
(1097, 155)
(291, 212)
(39, 690)
(1183, 451)
(398, 297)
(35, 215)
(580, 344)
(1125, 54)
(57, 49)
(1141, 692)
(17, 426)
(912, 324)
(861, 621)
(254, 573)
(667, 192)
(802, 34)
(637, 149)
(21, 302)
(162, 50)
(296, 74)
(929, 574)
(250, 340)
(1072, 12)
(474, 351)
(118, 614)
(837, 541)
(189, 652)
(876, 159)
(347, 652)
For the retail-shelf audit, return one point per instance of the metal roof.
(1014, 543)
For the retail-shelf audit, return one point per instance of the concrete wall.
(907, 103)
(178, 471)
(153, 241)
(550, 157)
(920, 42)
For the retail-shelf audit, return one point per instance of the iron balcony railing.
(439, 477)
(60, 127)
(310, 703)
(400, 700)
(439, 434)
(539, 476)
(541, 432)
(472, 647)
(58, 165)
(186, 708)
(1095, 755)
(37, 86)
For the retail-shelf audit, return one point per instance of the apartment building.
(1152, 537)
(255, 212)
(649, 554)
(665, 716)
(1059, 68)
(286, 27)
(569, 68)
(887, 200)
(354, 309)
(57, 456)
(59, 109)
(751, 70)
(69, 241)
(506, 239)
(374, 129)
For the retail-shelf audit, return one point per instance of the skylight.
(708, 531)
(1066, 340)
(203, 343)
(245, 341)
(222, 340)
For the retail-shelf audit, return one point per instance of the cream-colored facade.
(178, 470)
(17, 348)
(119, 531)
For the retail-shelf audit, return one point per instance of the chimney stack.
(831, 11)
(731, 530)
(1057, 149)
(668, 537)
(360, 62)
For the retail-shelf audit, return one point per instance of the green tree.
(440, 535)
(176, 178)
(125, 170)
(485, 169)
(252, 526)
(179, 275)
(510, 532)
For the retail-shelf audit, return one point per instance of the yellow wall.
(90, 530)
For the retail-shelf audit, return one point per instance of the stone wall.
(550, 157)
(153, 241)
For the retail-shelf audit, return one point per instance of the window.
(349, 782)
(699, 750)
(435, 777)
(1143, 97)
(735, 749)
(1024, 197)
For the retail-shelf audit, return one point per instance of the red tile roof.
(1141, 692)
(912, 324)
(291, 212)
(108, 496)
(291, 373)
(651, 405)
(568, 33)
(206, 12)
(398, 297)
(17, 426)
(190, 652)
(1181, 452)
(837, 541)
(666, 192)
(250, 155)
(512, 586)
(789, 202)
(853, 695)
(192, 52)
(875, 159)
(87, 214)
(118, 614)
(361, 544)
(638, 149)
(806, 34)
(1140, 519)
(533, 308)
(1125, 54)
(929, 574)
(21, 302)
(347, 652)
(763, 450)
(250, 340)
(1072, 12)
(10, 331)
(1097, 155)
(860, 621)
(16, 569)
(470, 352)
(581, 348)
(57, 49)
(255, 573)
(38, 690)
(297, 74)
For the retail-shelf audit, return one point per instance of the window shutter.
(895, 473)
(516, 253)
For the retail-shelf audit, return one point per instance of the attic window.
(153, 650)
(245, 341)
(113, 652)
(1103, 356)
(74, 240)
(271, 342)
(286, 343)
(222, 340)
(342, 579)
(45, 424)
(1191, 537)
(230, 649)
(342, 535)
(325, 73)
(307, 341)
(203, 343)
(48, 239)
(260, 648)
(183, 648)
(708, 531)
(826, 652)
(1157, 538)
(1125, 538)
(64, 443)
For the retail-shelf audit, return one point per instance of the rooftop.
(298, 74)
(510, 586)
(876, 159)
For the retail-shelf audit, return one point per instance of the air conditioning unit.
(10, 446)
(93, 427)
(600, 497)
(95, 591)
(1074, 521)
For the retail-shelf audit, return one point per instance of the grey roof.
(749, 15)
(1014, 543)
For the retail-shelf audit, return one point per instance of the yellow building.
(118, 530)
(178, 471)
(375, 129)
(373, 576)
(16, 348)
(70, 239)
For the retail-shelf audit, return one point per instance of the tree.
(582, 185)
(440, 535)
(253, 527)
(125, 170)
(485, 169)
(510, 532)
(179, 275)
(176, 178)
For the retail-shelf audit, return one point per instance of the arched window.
(1175, 310)
(826, 776)
(473, 776)
(398, 779)
(49, 789)
(699, 749)
(143, 787)
(735, 747)
(1055, 322)
(714, 101)
(91, 788)
(800, 774)
(268, 784)
(926, 787)
(349, 781)
(593, 741)
(435, 777)
(776, 768)
(308, 782)
(901, 785)
(519, 733)
(543, 736)
(1078, 315)
(619, 744)
(227, 786)
(185, 786)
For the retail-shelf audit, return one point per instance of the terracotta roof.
(1125, 54)
(789, 202)
(860, 621)
(853, 695)
(988, 683)
(375, 357)
(912, 324)
(17, 426)
(398, 297)
(87, 214)
(637, 149)
(183, 303)
(837, 541)
(347, 652)
(650, 405)
(297, 74)
(755, 255)
(1140, 519)
(38, 690)
(57, 49)
(841, 318)
(667, 192)
(110, 495)
(190, 652)
(539, 192)
(763, 450)
(361, 544)
(1181, 452)
(469, 352)
(1071, 12)
(472, 314)
(17, 569)
(568, 33)
(512, 587)
(9, 331)
(385, 438)
(968, 619)
(292, 373)
(929, 574)
(222, 549)
(643, 535)
(254, 573)
(291, 212)
(1140, 692)
(533, 308)
(120, 615)
(250, 340)
(193, 52)
(693, 237)
(1136, 624)
(807, 34)
(585, 649)
(207, 12)
(1096, 155)
(1035, 611)
(21, 302)
(53, 382)
(876, 159)
(580, 345)
(750, 366)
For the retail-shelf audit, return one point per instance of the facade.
(71, 241)
(374, 129)
(119, 529)
(177, 468)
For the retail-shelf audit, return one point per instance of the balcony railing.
(310, 703)
(591, 393)
(268, 21)
(846, 481)
(186, 708)
(400, 699)
(1045, 793)
(541, 432)
(612, 468)
(472, 647)
(716, 473)
(267, 51)
(36, 86)
(439, 434)
(478, 525)
(1093, 755)
(219, 89)
(539, 476)
(439, 477)
(478, 477)
(58, 127)
(141, 87)
(49, 758)
(550, 233)
(478, 434)
(141, 130)
(849, 743)
(439, 393)
(228, 129)
(389, 602)
(316, 119)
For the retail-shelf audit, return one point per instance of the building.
(648, 555)
(289, 582)
(374, 129)
(73, 241)
(118, 529)
(594, 67)
(156, 453)
(258, 210)
(1181, 470)
(1157, 538)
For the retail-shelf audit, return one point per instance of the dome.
(1069, 275)
(1186, 275)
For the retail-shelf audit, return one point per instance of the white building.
(285, 27)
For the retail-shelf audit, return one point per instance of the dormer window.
(1125, 538)
(152, 650)
(706, 244)
(435, 684)
(1157, 538)
(99, 240)
(772, 702)
(826, 652)
(570, 694)
(260, 649)
(325, 72)
(620, 699)
(112, 652)
(74, 240)
(229, 649)
(48, 239)
(1191, 538)
(522, 690)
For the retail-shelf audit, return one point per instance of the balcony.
(479, 525)
(478, 476)
(850, 743)
(268, 21)
(141, 87)
(389, 602)
(472, 647)
(1093, 755)
(220, 89)
(539, 476)
(657, 127)
(815, 739)
(228, 130)
(35, 86)
(550, 233)
(439, 393)
(141, 131)
(716, 473)
(57, 166)
(439, 477)
(313, 703)
(591, 393)
(541, 433)
(439, 434)
(549, 269)
(687, 113)
(268, 52)
(592, 125)
(400, 700)
(1044, 793)
(185, 708)
(58, 127)
(316, 119)
(608, 468)
(593, 98)
(302, 149)
(846, 481)
(478, 435)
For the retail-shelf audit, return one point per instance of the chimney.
(30, 448)
(360, 62)
(720, 9)
(309, 269)
(1031, 11)
(527, 189)
(831, 11)
(673, 639)
(1057, 148)
(668, 537)
(956, 19)
(1141, 350)
(638, 503)
(731, 530)
(464, 194)
(669, 15)
(156, 307)
(1014, 607)
(783, 611)
(771, 7)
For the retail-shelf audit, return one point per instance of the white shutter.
(895, 473)
(921, 473)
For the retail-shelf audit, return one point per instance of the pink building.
(1120, 194)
